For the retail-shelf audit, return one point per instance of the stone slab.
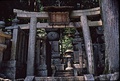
(29, 78)
(89, 77)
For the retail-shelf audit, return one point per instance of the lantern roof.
(69, 51)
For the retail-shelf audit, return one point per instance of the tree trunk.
(109, 9)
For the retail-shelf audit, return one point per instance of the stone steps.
(64, 73)
(71, 78)
(20, 79)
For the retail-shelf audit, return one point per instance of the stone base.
(9, 69)
(71, 78)
(42, 73)
(42, 70)
(60, 66)
(42, 67)
(89, 77)
(69, 68)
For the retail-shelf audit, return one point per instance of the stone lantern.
(68, 57)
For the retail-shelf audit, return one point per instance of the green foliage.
(40, 6)
(67, 38)
(41, 32)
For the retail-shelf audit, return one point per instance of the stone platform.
(72, 78)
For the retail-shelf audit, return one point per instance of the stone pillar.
(78, 54)
(11, 70)
(88, 43)
(55, 58)
(31, 46)
(14, 39)
(42, 67)
(77, 48)
(55, 53)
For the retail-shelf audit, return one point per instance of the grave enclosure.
(39, 58)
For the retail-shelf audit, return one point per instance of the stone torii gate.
(84, 24)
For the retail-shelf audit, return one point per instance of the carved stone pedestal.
(69, 66)
(42, 70)
(55, 61)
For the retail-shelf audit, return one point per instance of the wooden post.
(88, 43)
(31, 46)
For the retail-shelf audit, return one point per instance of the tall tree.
(110, 16)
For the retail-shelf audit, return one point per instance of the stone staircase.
(71, 78)
(61, 75)
(64, 73)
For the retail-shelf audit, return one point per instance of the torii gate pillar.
(88, 43)
(31, 46)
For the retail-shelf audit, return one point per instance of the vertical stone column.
(14, 44)
(77, 47)
(31, 46)
(11, 70)
(42, 69)
(88, 43)
(55, 58)
(78, 54)
(55, 53)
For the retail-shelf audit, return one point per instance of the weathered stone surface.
(114, 76)
(89, 77)
(14, 44)
(31, 47)
(29, 78)
(75, 13)
(71, 25)
(60, 66)
(42, 73)
(72, 78)
(88, 43)
(103, 77)
(42, 70)
(109, 77)
(42, 67)
(9, 69)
